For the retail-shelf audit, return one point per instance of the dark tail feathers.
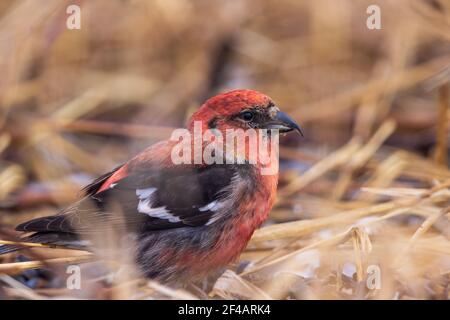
(7, 248)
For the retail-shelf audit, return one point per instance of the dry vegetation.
(368, 186)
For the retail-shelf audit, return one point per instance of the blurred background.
(369, 180)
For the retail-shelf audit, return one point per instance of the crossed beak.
(284, 123)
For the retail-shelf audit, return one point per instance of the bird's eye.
(247, 116)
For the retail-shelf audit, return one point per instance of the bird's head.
(242, 109)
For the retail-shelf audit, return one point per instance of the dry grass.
(368, 187)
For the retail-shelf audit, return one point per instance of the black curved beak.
(284, 123)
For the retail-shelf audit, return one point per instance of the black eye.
(247, 116)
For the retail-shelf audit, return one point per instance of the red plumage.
(186, 219)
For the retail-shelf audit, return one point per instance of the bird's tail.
(7, 248)
(68, 241)
(34, 238)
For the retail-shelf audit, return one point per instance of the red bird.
(187, 219)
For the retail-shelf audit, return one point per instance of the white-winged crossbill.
(186, 219)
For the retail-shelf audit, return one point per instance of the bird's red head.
(242, 109)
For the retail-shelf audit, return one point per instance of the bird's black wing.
(149, 199)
